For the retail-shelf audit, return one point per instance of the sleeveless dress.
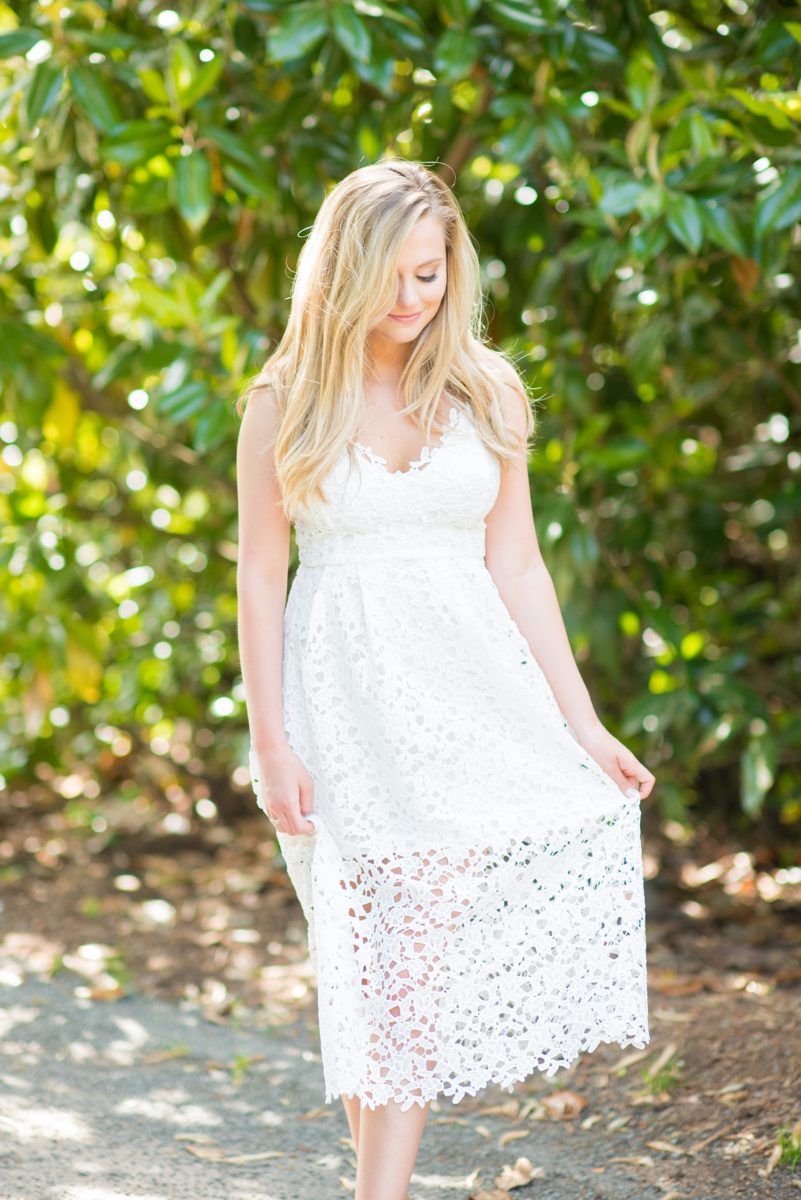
(473, 887)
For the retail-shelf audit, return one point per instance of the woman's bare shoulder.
(502, 368)
(262, 410)
(513, 398)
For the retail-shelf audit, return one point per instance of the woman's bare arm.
(516, 564)
(262, 572)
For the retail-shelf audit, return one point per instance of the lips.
(410, 317)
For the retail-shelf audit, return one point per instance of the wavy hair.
(344, 285)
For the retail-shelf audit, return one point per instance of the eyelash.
(426, 278)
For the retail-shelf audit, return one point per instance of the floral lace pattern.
(473, 888)
(426, 454)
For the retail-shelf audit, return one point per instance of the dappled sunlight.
(173, 1106)
(30, 1122)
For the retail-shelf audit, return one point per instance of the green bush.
(632, 176)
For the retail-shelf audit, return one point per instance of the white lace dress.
(473, 888)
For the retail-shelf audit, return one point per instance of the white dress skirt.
(473, 887)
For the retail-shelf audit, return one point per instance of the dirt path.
(143, 1099)
(200, 1047)
(137, 1098)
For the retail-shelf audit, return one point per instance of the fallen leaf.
(588, 1122)
(563, 1106)
(635, 1160)
(213, 1153)
(670, 1014)
(513, 1135)
(666, 1146)
(617, 1123)
(105, 993)
(519, 1175)
(528, 1107)
(628, 1060)
(257, 1157)
(667, 1053)
(734, 1097)
(157, 1056)
(775, 1158)
(510, 1109)
(694, 1149)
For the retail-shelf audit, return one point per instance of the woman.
(461, 829)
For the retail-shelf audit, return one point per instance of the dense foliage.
(632, 176)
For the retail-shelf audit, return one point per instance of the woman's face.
(421, 283)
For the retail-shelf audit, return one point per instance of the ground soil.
(207, 917)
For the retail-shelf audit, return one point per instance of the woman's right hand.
(287, 790)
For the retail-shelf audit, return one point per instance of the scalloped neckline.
(427, 454)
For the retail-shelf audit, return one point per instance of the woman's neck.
(388, 360)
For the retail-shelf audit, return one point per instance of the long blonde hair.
(344, 285)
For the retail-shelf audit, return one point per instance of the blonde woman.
(462, 830)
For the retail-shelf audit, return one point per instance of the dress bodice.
(427, 510)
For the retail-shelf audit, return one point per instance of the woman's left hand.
(617, 760)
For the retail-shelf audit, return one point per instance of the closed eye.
(426, 278)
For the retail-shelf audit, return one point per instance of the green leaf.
(184, 401)
(642, 81)
(351, 33)
(598, 49)
(454, 54)
(246, 36)
(299, 30)
(193, 188)
(782, 206)
(757, 772)
(647, 242)
(619, 453)
(153, 85)
(794, 29)
(608, 255)
(19, 41)
(584, 548)
(43, 91)
(165, 305)
(94, 97)
(557, 134)
(247, 182)
(723, 228)
(191, 78)
(234, 146)
(388, 12)
(684, 221)
(765, 106)
(518, 15)
(620, 196)
(651, 201)
(701, 134)
(379, 72)
(205, 80)
(213, 426)
(646, 347)
(136, 141)
(457, 12)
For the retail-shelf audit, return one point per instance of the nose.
(407, 297)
